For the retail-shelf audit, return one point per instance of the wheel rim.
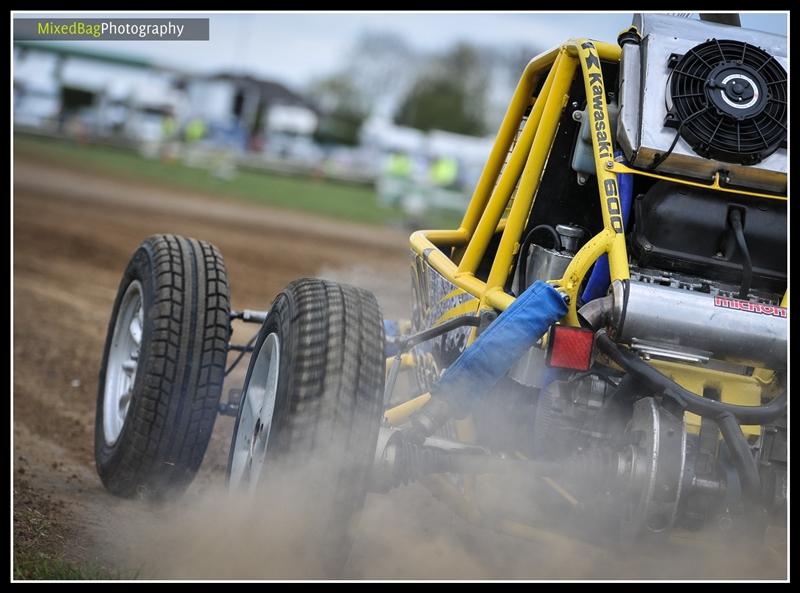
(123, 361)
(255, 418)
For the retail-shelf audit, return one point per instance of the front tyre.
(311, 407)
(163, 367)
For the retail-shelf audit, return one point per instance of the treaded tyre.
(310, 411)
(163, 368)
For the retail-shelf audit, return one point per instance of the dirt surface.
(73, 235)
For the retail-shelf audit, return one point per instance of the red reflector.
(570, 347)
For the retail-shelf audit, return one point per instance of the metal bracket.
(649, 349)
(231, 407)
(407, 343)
(250, 316)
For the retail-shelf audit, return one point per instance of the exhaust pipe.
(690, 325)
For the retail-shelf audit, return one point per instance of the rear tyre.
(310, 410)
(163, 368)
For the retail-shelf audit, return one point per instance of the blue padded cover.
(491, 355)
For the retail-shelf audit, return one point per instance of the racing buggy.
(603, 339)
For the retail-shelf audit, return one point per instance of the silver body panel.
(643, 97)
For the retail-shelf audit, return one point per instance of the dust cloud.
(406, 533)
(285, 533)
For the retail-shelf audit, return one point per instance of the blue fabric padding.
(600, 278)
(597, 285)
(491, 355)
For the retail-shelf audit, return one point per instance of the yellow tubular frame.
(484, 219)
(526, 162)
(484, 216)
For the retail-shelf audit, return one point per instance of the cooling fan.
(728, 101)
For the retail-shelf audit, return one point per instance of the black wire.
(553, 232)
(747, 266)
(662, 157)
(526, 245)
(241, 354)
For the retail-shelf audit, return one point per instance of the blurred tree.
(464, 89)
(450, 94)
(382, 67)
(342, 109)
(378, 67)
(507, 65)
(517, 58)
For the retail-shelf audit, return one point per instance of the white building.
(57, 85)
(258, 110)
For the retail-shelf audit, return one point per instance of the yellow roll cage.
(526, 162)
(488, 212)
(484, 218)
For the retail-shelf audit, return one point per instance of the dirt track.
(73, 235)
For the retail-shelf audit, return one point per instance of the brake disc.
(651, 469)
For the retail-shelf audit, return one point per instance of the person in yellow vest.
(168, 127)
(399, 165)
(195, 130)
(444, 172)
(395, 181)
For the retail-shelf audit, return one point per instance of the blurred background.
(401, 107)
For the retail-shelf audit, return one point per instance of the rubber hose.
(694, 403)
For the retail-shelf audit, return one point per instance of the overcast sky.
(295, 47)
